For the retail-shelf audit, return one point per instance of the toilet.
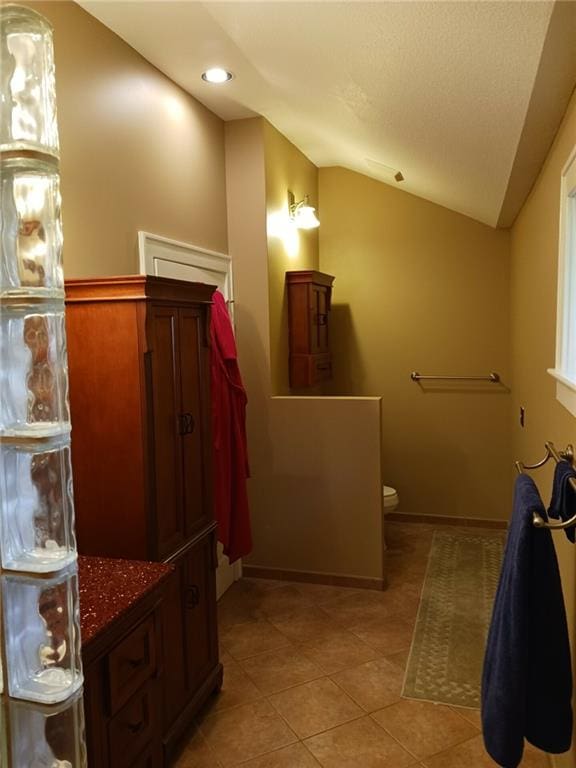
(391, 499)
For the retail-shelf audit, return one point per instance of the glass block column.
(41, 717)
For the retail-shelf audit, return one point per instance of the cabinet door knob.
(190, 423)
(192, 596)
(186, 424)
(321, 319)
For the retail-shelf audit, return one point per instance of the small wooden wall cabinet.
(309, 299)
(138, 357)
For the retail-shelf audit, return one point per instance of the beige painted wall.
(136, 151)
(326, 491)
(419, 287)
(246, 189)
(315, 488)
(533, 302)
(287, 168)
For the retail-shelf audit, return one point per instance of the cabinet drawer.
(307, 370)
(131, 663)
(147, 759)
(132, 729)
(321, 368)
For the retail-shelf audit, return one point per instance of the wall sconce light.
(302, 214)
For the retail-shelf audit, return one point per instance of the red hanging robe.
(230, 452)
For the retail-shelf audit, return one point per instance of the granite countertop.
(110, 587)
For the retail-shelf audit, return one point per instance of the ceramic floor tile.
(469, 754)
(360, 744)
(385, 635)
(315, 707)
(305, 624)
(409, 613)
(237, 688)
(338, 651)
(400, 658)
(424, 729)
(237, 611)
(252, 585)
(403, 571)
(277, 670)
(534, 758)
(471, 715)
(295, 756)
(239, 734)
(351, 609)
(282, 601)
(225, 658)
(244, 640)
(373, 685)
(197, 754)
(322, 593)
(280, 638)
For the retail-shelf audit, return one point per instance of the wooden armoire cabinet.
(309, 302)
(139, 369)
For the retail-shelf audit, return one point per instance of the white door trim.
(160, 256)
(154, 251)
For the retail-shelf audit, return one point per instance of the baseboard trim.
(311, 577)
(466, 522)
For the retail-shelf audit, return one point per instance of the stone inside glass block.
(42, 636)
(36, 505)
(33, 371)
(47, 736)
(31, 245)
(27, 83)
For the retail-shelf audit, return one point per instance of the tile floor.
(313, 674)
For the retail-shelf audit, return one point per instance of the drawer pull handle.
(192, 596)
(136, 727)
(325, 367)
(134, 663)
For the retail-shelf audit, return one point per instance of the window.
(565, 370)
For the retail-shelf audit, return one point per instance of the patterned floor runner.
(445, 663)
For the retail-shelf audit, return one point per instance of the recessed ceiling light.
(217, 75)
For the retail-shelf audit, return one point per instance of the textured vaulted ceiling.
(439, 90)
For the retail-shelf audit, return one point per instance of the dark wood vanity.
(123, 656)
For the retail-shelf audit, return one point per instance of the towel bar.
(551, 453)
(492, 377)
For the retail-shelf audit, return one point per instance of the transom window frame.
(565, 369)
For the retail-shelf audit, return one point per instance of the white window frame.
(565, 369)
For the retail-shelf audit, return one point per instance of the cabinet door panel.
(200, 609)
(196, 445)
(176, 672)
(169, 533)
(319, 319)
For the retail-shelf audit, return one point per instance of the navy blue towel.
(563, 503)
(527, 676)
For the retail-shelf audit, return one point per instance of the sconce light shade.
(302, 214)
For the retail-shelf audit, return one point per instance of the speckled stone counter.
(110, 587)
